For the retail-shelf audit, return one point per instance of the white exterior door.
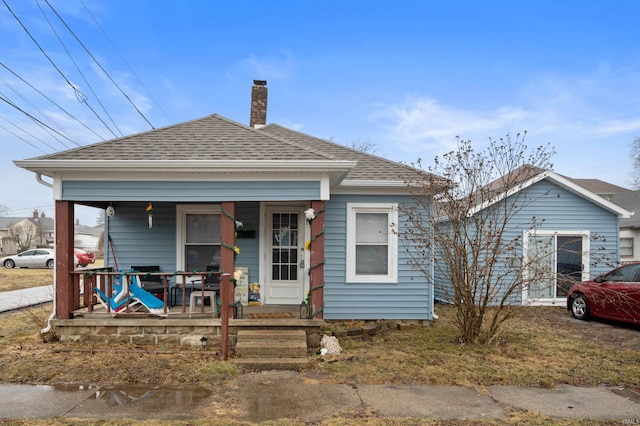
(285, 254)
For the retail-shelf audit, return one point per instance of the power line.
(2, 98)
(99, 65)
(32, 105)
(81, 97)
(24, 140)
(51, 100)
(125, 61)
(78, 68)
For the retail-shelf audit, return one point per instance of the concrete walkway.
(273, 395)
(16, 299)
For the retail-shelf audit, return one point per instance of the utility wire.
(26, 141)
(78, 68)
(2, 98)
(32, 105)
(51, 100)
(79, 95)
(125, 61)
(99, 65)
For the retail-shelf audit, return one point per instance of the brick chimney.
(35, 214)
(258, 104)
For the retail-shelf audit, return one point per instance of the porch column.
(316, 275)
(227, 264)
(227, 258)
(64, 259)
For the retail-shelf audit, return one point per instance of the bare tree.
(3, 210)
(470, 233)
(635, 155)
(365, 145)
(24, 234)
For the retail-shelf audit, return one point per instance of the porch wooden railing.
(84, 283)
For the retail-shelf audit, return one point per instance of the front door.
(556, 262)
(285, 256)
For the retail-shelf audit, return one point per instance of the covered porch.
(86, 310)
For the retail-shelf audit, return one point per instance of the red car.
(613, 296)
(83, 258)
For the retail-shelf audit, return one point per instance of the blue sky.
(407, 76)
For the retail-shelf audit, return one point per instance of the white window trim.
(392, 211)
(181, 214)
(630, 256)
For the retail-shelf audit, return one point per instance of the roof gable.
(532, 175)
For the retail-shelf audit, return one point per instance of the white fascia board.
(593, 197)
(565, 184)
(44, 166)
(177, 169)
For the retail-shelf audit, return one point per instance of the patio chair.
(118, 299)
(151, 283)
(146, 299)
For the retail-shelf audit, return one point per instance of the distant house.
(87, 237)
(312, 220)
(31, 232)
(576, 227)
(604, 189)
(629, 227)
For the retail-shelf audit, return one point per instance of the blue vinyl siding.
(184, 192)
(249, 214)
(135, 244)
(561, 211)
(410, 298)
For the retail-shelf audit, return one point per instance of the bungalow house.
(304, 218)
(576, 236)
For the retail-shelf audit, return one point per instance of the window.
(372, 247)
(626, 247)
(198, 237)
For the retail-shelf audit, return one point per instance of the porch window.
(372, 248)
(198, 237)
(626, 247)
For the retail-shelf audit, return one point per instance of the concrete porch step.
(272, 363)
(271, 349)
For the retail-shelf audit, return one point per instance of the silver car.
(34, 258)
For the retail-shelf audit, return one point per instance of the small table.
(191, 287)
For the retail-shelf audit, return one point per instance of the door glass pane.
(541, 266)
(569, 263)
(285, 247)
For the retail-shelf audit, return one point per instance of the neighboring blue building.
(577, 231)
(166, 190)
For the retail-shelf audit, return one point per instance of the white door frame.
(586, 246)
(266, 209)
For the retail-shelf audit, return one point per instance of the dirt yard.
(616, 334)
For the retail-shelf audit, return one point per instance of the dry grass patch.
(531, 351)
(17, 279)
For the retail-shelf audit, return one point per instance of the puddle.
(112, 401)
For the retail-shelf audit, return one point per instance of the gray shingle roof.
(630, 200)
(369, 167)
(217, 138)
(209, 138)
